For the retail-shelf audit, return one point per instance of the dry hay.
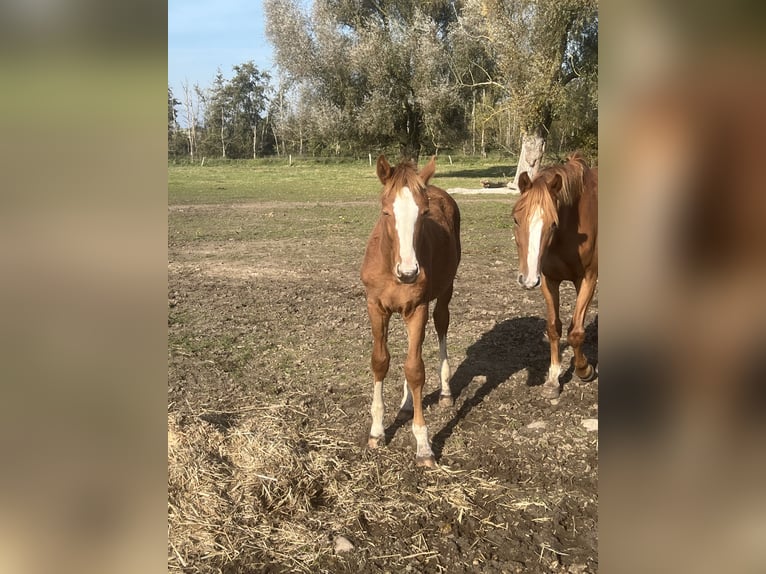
(260, 488)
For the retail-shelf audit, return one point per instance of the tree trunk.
(191, 119)
(473, 124)
(255, 140)
(531, 156)
(223, 141)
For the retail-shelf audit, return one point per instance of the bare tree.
(191, 106)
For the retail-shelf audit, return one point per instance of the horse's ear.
(524, 182)
(555, 185)
(428, 170)
(383, 169)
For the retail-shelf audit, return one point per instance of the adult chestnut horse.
(556, 229)
(411, 259)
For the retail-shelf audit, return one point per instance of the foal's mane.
(572, 177)
(404, 174)
(572, 184)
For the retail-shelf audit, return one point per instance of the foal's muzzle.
(527, 285)
(408, 276)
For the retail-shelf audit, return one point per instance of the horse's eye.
(515, 221)
(554, 226)
(386, 212)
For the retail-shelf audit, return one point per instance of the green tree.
(233, 111)
(541, 59)
(172, 122)
(381, 67)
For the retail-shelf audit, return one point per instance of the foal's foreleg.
(551, 389)
(441, 323)
(576, 333)
(381, 358)
(414, 372)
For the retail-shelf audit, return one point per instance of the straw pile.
(262, 489)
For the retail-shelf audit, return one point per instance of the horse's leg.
(576, 334)
(380, 359)
(414, 372)
(441, 323)
(550, 288)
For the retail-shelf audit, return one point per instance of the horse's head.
(404, 203)
(535, 220)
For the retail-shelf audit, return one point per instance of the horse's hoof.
(427, 461)
(446, 401)
(374, 441)
(590, 374)
(551, 391)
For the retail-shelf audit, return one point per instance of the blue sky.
(204, 35)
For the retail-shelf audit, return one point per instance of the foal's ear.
(524, 182)
(428, 170)
(384, 169)
(555, 185)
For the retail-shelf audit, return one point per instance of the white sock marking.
(421, 438)
(406, 403)
(553, 374)
(444, 371)
(377, 410)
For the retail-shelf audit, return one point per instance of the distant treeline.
(466, 77)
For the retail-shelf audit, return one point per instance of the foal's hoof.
(590, 374)
(551, 391)
(374, 441)
(427, 461)
(446, 401)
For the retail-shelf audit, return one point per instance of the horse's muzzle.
(408, 277)
(527, 285)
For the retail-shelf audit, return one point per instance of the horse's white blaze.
(406, 214)
(421, 438)
(533, 248)
(377, 410)
(444, 371)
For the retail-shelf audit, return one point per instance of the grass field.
(269, 390)
(309, 180)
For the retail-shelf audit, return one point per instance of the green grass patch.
(240, 181)
(293, 221)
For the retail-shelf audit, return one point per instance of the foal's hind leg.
(441, 323)
(381, 358)
(550, 288)
(576, 334)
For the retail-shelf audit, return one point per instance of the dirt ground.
(269, 390)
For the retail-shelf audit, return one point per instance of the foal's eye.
(515, 221)
(386, 212)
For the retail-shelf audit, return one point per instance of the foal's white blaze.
(406, 213)
(533, 248)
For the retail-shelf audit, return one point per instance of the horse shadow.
(510, 346)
